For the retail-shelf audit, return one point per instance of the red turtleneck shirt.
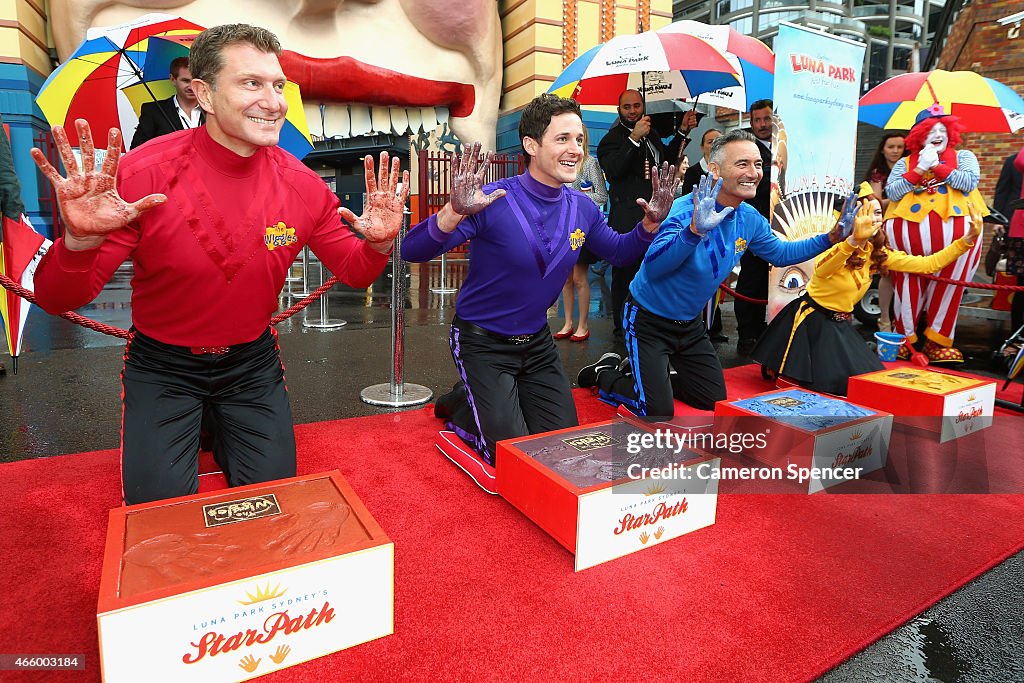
(210, 263)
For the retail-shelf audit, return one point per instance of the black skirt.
(823, 354)
(587, 257)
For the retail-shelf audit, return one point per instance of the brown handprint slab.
(173, 543)
(234, 584)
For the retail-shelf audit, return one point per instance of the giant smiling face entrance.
(380, 65)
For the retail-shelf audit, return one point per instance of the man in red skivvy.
(212, 218)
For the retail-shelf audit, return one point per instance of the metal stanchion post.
(324, 323)
(305, 276)
(444, 288)
(396, 392)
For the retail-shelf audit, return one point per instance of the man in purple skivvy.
(525, 234)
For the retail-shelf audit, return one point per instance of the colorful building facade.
(25, 62)
(542, 37)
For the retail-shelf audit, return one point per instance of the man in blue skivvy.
(705, 234)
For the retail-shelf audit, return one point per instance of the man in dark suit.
(753, 278)
(1007, 187)
(175, 113)
(627, 153)
(693, 174)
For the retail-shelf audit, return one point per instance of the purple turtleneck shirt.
(522, 248)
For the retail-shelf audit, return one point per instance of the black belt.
(467, 326)
(837, 316)
(630, 300)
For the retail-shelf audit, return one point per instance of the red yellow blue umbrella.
(88, 84)
(119, 68)
(983, 104)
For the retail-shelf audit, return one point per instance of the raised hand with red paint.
(382, 215)
(88, 198)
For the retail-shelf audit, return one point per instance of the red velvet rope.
(10, 284)
(736, 295)
(974, 285)
(299, 305)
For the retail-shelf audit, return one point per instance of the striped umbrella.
(88, 84)
(662, 66)
(983, 104)
(119, 68)
(751, 59)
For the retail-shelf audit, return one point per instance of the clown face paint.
(938, 138)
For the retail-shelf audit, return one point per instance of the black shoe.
(445, 406)
(624, 367)
(588, 373)
(745, 347)
(719, 339)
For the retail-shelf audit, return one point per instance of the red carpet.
(783, 587)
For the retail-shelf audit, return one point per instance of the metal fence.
(435, 177)
(48, 195)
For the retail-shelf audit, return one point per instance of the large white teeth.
(362, 124)
(428, 116)
(354, 120)
(399, 120)
(337, 122)
(415, 118)
(380, 119)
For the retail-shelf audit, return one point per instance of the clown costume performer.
(929, 191)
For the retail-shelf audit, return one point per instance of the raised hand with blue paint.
(705, 218)
(844, 226)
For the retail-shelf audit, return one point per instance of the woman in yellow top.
(812, 341)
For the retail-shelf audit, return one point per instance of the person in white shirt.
(178, 112)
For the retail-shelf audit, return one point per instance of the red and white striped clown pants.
(939, 302)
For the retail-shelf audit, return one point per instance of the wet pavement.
(66, 399)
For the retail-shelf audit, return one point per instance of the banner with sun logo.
(817, 82)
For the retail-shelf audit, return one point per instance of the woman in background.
(890, 150)
(591, 182)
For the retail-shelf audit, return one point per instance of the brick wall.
(977, 43)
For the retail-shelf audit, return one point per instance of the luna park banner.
(814, 140)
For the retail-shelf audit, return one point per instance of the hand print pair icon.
(644, 536)
(249, 664)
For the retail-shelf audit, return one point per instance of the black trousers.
(752, 282)
(656, 346)
(165, 391)
(508, 390)
(622, 277)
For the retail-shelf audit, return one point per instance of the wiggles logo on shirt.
(279, 235)
(577, 238)
(741, 245)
